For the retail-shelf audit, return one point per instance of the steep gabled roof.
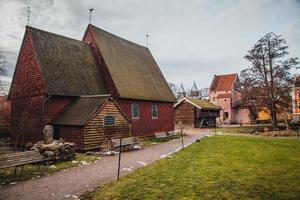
(133, 69)
(68, 66)
(199, 103)
(223, 82)
(80, 110)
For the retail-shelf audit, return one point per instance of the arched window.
(109, 120)
(226, 115)
(154, 111)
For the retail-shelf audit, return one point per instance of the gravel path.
(72, 182)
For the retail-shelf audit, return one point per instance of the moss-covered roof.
(199, 103)
(133, 69)
(80, 110)
(205, 104)
(68, 66)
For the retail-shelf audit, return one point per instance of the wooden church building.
(101, 87)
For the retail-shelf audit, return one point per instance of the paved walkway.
(72, 182)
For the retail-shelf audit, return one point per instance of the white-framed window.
(109, 120)
(154, 111)
(135, 111)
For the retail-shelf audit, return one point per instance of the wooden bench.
(161, 135)
(127, 143)
(20, 159)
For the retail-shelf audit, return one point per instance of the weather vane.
(90, 19)
(28, 15)
(147, 38)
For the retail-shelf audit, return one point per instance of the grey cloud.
(191, 40)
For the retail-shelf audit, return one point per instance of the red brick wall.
(27, 95)
(72, 134)
(27, 119)
(27, 80)
(145, 125)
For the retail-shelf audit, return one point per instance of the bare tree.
(3, 71)
(270, 72)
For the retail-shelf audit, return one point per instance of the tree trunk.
(273, 116)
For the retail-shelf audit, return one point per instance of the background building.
(223, 92)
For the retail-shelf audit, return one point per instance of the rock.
(48, 134)
(50, 147)
(49, 154)
(28, 146)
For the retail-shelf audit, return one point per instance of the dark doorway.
(56, 132)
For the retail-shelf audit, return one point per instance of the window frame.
(138, 111)
(109, 124)
(152, 108)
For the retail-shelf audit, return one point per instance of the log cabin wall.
(185, 113)
(95, 132)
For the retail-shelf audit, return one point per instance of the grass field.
(220, 167)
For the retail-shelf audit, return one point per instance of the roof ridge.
(227, 74)
(56, 34)
(96, 95)
(119, 37)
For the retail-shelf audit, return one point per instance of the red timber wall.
(27, 95)
(184, 113)
(72, 134)
(146, 126)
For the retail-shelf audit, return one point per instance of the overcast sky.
(190, 39)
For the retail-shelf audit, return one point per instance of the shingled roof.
(133, 69)
(68, 66)
(223, 82)
(80, 110)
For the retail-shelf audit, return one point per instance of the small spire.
(181, 89)
(147, 40)
(194, 87)
(90, 17)
(28, 15)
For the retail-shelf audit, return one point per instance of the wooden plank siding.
(95, 131)
(185, 113)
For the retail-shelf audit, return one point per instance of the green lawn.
(243, 129)
(220, 167)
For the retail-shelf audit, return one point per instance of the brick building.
(224, 93)
(53, 72)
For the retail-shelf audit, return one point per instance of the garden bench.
(20, 159)
(174, 133)
(161, 135)
(128, 143)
